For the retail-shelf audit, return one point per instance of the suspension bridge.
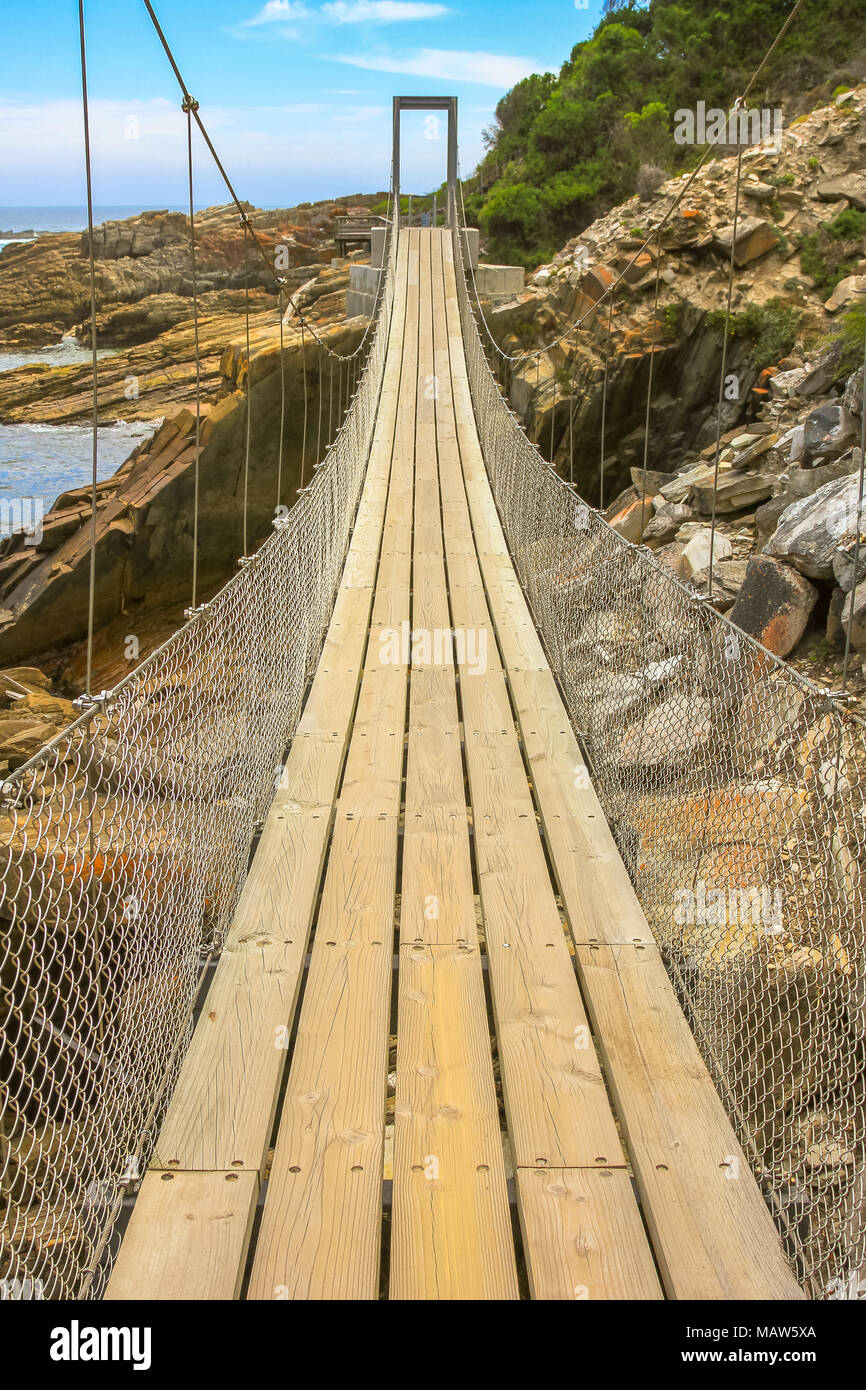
(446, 948)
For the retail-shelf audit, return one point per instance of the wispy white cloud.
(380, 11)
(277, 12)
(450, 65)
(275, 154)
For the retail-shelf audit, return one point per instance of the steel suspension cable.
(188, 105)
(331, 406)
(282, 405)
(200, 123)
(88, 173)
(649, 393)
(723, 371)
(858, 530)
(319, 426)
(247, 401)
(571, 422)
(304, 388)
(604, 399)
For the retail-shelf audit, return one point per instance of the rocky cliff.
(145, 511)
(144, 521)
(143, 272)
(792, 412)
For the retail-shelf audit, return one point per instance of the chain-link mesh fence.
(737, 795)
(123, 847)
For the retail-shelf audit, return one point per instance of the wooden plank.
(559, 1115)
(713, 1235)
(597, 892)
(583, 1236)
(320, 1234)
(558, 1112)
(183, 1236)
(221, 1113)
(451, 1226)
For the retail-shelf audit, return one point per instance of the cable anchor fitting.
(91, 702)
(188, 104)
(10, 795)
(839, 697)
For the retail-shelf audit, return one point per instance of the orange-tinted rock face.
(45, 289)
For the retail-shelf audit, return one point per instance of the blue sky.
(295, 93)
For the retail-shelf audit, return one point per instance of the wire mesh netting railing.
(737, 795)
(123, 849)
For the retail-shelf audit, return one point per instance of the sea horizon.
(39, 219)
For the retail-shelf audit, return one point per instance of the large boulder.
(843, 564)
(735, 492)
(728, 579)
(805, 482)
(852, 398)
(696, 556)
(597, 281)
(810, 531)
(829, 431)
(631, 518)
(755, 237)
(854, 617)
(851, 288)
(850, 186)
(668, 519)
(671, 734)
(774, 604)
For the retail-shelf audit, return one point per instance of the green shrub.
(610, 107)
(848, 225)
(771, 327)
(510, 218)
(830, 254)
(853, 338)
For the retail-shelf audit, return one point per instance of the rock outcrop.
(143, 272)
(785, 497)
(145, 511)
(779, 309)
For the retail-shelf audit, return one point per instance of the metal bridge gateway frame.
(448, 104)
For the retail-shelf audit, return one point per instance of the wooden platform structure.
(437, 867)
(355, 231)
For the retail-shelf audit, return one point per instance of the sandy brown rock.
(145, 512)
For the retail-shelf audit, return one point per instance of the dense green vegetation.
(832, 253)
(771, 328)
(565, 148)
(853, 336)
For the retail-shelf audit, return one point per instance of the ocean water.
(67, 353)
(23, 223)
(38, 462)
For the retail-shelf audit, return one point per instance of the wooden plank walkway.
(556, 1133)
